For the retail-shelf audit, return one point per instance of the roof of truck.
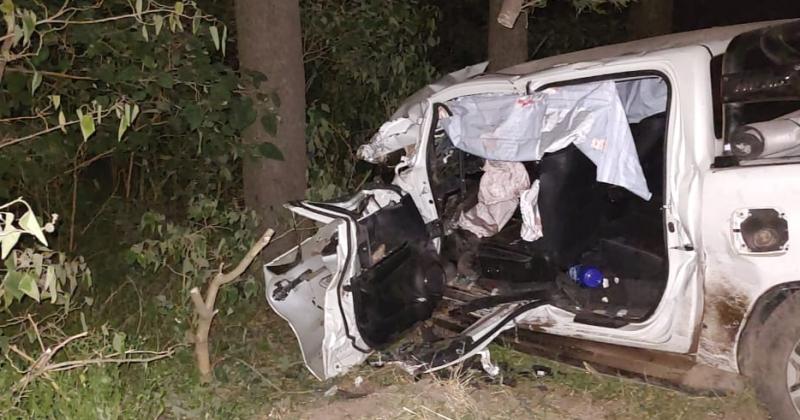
(716, 39)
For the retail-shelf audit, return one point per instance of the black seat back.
(648, 136)
(571, 203)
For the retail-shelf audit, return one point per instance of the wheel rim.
(793, 376)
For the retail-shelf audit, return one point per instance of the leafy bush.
(193, 249)
(125, 99)
(35, 271)
(362, 59)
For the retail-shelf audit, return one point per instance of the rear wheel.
(770, 357)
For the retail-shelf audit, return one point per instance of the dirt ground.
(528, 387)
(564, 392)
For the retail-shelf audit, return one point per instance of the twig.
(90, 161)
(11, 142)
(141, 312)
(36, 330)
(58, 367)
(102, 208)
(48, 73)
(74, 199)
(260, 375)
(42, 366)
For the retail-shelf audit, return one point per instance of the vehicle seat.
(648, 136)
(571, 204)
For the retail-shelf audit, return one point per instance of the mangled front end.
(368, 274)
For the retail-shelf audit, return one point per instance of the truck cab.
(667, 165)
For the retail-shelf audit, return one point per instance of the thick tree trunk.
(506, 46)
(269, 41)
(648, 18)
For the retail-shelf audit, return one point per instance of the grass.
(259, 373)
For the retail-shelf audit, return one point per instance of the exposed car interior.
(491, 253)
(583, 221)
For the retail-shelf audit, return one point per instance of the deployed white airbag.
(403, 129)
(531, 220)
(498, 197)
(524, 128)
(497, 127)
(643, 98)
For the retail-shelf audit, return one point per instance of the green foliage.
(87, 390)
(194, 249)
(362, 59)
(557, 29)
(35, 272)
(136, 97)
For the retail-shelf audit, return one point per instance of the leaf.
(257, 77)
(7, 242)
(214, 36)
(37, 260)
(179, 7)
(138, 9)
(28, 286)
(123, 126)
(145, 34)
(276, 100)
(134, 113)
(164, 80)
(87, 124)
(224, 38)
(270, 151)
(56, 101)
(31, 225)
(28, 26)
(187, 266)
(62, 121)
(7, 7)
(118, 342)
(196, 22)
(158, 21)
(11, 284)
(4, 344)
(270, 124)
(36, 81)
(50, 283)
(193, 115)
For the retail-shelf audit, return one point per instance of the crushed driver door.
(368, 274)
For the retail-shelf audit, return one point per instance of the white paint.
(699, 206)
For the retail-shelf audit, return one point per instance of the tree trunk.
(648, 18)
(269, 41)
(506, 46)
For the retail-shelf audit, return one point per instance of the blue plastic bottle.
(586, 275)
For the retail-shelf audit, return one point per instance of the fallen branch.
(204, 307)
(42, 366)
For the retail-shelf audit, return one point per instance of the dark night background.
(548, 35)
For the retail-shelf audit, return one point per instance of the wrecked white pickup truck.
(630, 205)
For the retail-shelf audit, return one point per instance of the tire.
(764, 358)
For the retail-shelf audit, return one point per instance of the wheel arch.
(759, 313)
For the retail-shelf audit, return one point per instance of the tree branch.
(48, 73)
(205, 307)
(5, 47)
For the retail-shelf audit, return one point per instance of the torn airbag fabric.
(524, 128)
(498, 197)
